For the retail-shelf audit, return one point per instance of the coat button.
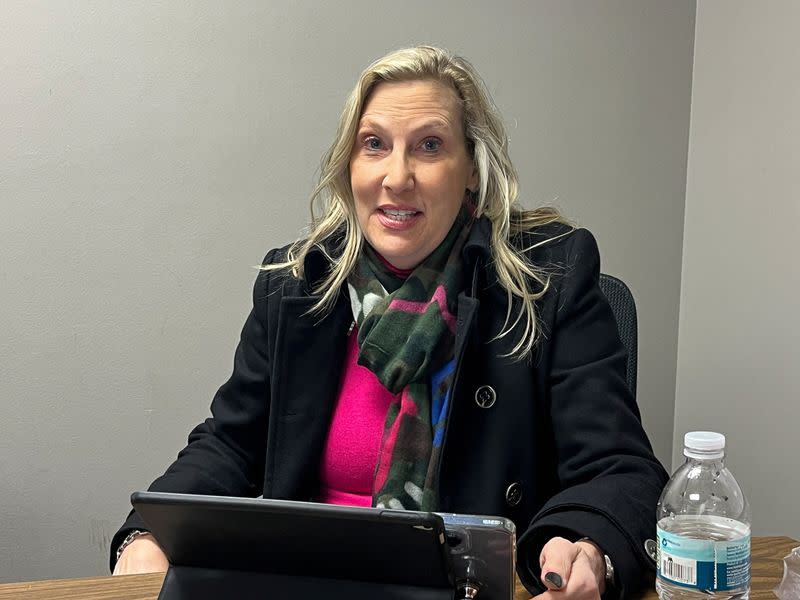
(514, 494)
(651, 548)
(485, 396)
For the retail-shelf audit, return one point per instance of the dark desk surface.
(767, 570)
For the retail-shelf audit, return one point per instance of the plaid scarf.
(407, 339)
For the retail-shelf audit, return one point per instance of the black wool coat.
(554, 443)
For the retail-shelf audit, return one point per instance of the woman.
(430, 345)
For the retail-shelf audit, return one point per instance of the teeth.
(399, 215)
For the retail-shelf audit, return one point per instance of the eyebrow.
(433, 123)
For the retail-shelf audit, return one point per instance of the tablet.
(293, 538)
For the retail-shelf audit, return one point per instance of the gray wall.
(739, 349)
(151, 152)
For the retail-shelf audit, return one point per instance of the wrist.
(600, 562)
(136, 534)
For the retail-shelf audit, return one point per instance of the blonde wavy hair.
(333, 205)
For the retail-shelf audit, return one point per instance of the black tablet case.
(243, 548)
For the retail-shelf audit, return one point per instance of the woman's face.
(410, 169)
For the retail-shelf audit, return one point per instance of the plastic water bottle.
(703, 527)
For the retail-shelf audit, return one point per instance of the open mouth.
(399, 215)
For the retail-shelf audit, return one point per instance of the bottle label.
(703, 564)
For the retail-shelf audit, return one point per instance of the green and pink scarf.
(406, 335)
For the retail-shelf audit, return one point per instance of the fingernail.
(554, 578)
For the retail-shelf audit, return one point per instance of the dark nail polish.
(554, 578)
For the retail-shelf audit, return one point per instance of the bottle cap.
(704, 444)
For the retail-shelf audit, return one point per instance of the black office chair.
(624, 308)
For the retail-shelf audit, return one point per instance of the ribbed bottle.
(703, 527)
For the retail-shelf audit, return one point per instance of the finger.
(582, 585)
(556, 560)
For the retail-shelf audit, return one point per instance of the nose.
(399, 174)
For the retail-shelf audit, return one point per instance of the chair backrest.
(624, 308)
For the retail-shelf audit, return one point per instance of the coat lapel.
(309, 352)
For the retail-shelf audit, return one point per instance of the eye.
(431, 144)
(372, 143)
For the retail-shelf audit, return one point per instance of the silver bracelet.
(129, 538)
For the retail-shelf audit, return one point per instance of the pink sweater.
(354, 439)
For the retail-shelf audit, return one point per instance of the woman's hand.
(142, 555)
(572, 571)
